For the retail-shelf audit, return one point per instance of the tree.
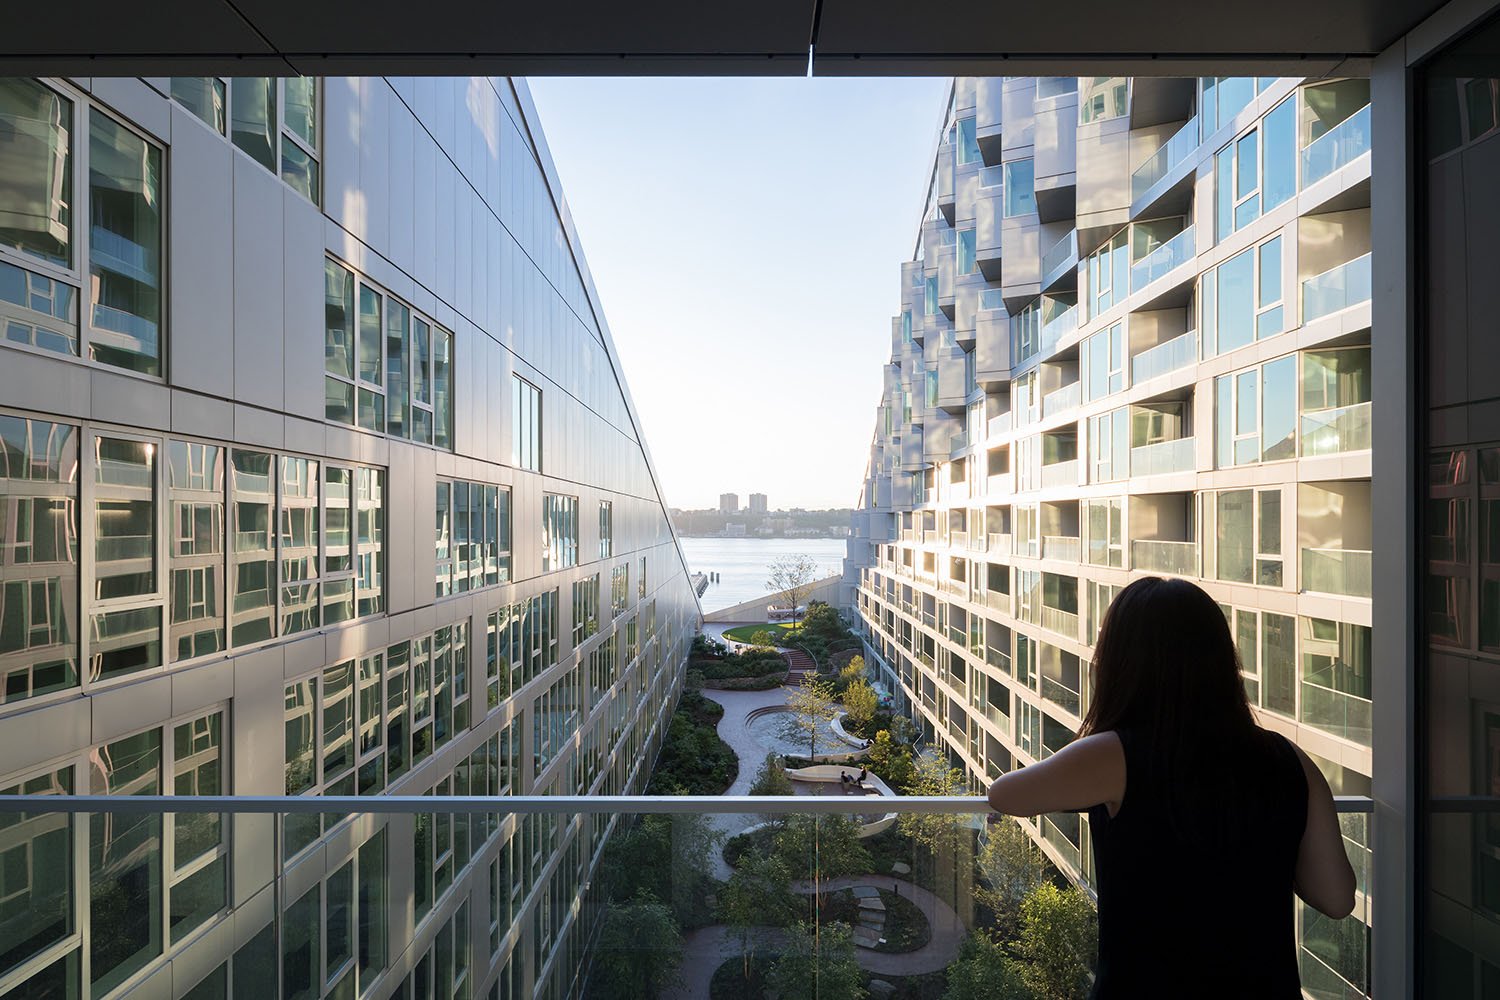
(983, 971)
(667, 858)
(763, 637)
(819, 848)
(771, 779)
(1010, 866)
(818, 964)
(810, 708)
(791, 579)
(1059, 932)
(891, 760)
(860, 703)
(639, 948)
(932, 775)
(758, 893)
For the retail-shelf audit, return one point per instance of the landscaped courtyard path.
(706, 949)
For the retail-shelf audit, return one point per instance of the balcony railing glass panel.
(1340, 145)
(1169, 356)
(1336, 430)
(1178, 455)
(1160, 163)
(1337, 571)
(1177, 558)
(1336, 288)
(1064, 547)
(1061, 400)
(1175, 252)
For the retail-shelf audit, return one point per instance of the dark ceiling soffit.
(658, 64)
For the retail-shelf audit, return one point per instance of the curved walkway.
(707, 948)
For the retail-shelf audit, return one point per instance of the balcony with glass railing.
(1059, 621)
(1339, 146)
(1336, 430)
(997, 600)
(1336, 288)
(1062, 547)
(1337, 571)
(1166, 258)
(1178, 455)
(999, 543)
(1159, 556)
(1169, 356)
(1055, 329)
(958, 539)
(1171, 154)
(1060, 694)
(1059, 257)
(1061, 400)
(1060, 474)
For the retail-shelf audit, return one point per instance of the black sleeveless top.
(1201, 905)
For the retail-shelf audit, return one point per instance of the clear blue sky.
(746, 238)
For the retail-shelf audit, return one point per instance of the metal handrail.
(820, 805)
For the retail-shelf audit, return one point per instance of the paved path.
(706, 949)
(735, 730)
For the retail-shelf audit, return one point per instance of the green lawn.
(745, 633)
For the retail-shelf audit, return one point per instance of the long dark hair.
(1165, 668)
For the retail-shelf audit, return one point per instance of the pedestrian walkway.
(705, 949)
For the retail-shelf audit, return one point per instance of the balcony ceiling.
(681, 37)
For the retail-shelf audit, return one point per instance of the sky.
(746, 237)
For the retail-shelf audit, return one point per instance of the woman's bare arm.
(1082, 774)
(1324, 877)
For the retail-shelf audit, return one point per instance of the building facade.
(757, 503)
(1133, 338)
(319, 477)
(729, 503)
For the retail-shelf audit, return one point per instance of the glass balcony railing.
(1060, 253)
(1168, 356)
(958, 539)
(1337, 288)
(997, 600)
(958, 444)
(1179, 455)
(1337, 712)
(1340, 145)
(997, 658)
(991, 177)
(1061, 400)
(1336, 430)
(1063, 547)
(991, 298)
(1056, 328)
(1171, 153)
(1175, 252)
(1059, 621)
(1176, 558)
(999, 543)
(1337, 571)
(1060, 474)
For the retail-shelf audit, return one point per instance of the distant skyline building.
(1133, 338)
(318, 475)
(729, 503)
(757, 503)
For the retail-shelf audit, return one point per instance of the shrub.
(763, 638)
(771, 779)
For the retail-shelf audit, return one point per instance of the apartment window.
(125, 626)
(1020, 188)
(640, 581)
(526, 425)
(930, 296)
(1102, 97)
(54, 250)
(1104, 524)
(275, 121)
(472, 536)
(1336, 678)
(1255, 414)
(298, 564)
(38, 556)
(386, 368)
(528, 641)
(1104, 363)
(906, 336)
(619, 589)
(585, 608)
(1026, 335)
(606, 529)
(1257, 171)
(1109, 446)
(559, 532)
(1108, 274)
(1100, 597)
(1243, 533)
(1335, 403)
(1241, 300)
(1221, 99)
(334, 936)
(968, 142)
(966, 263)
(196, 549)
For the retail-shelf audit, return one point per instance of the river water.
(743, 564)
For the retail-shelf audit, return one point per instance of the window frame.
(283, 131)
